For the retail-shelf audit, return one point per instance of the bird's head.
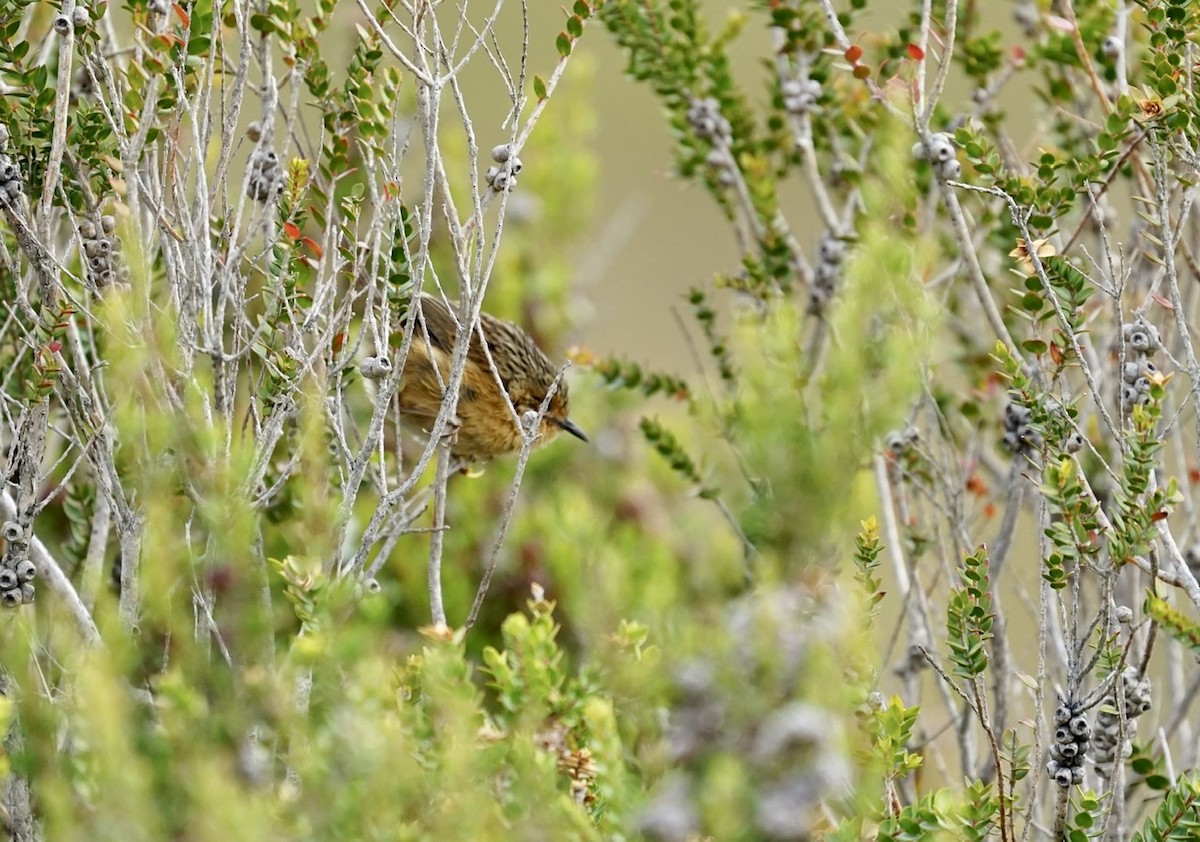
(557, 417)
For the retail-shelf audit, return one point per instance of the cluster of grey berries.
(900, 442)
(1072, 736)
(266, 182)
(941, 154)
(100, 248)
(1141, 341)
(80, 17)
(10, 174)
(704, 116)
(1019, 434)
(1112, 746)
(800, 97)
(503, 176)
(831, 252)
(17, 572)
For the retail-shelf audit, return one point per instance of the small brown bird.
(486, 428)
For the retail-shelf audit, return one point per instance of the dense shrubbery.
(954, 420)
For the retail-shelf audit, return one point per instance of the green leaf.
(564, 44)
(539, 87)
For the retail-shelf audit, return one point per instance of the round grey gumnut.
(372, 586)
(1062, 715)
(62, 25)
(950, 169)
(3, 136)
(490, 175)
(254, 131)
(80, 16)
(1112, 46)
(28, 593)
(26, 570)
(504, 180)
(514, 164)
(108, 224)
(87, 230)
(11, 598)
(8, 579)
(13, 531)
(940, 148)
(1124, 614)
(1073, 443)
(374, 368)
(501, 153)
(919, 152)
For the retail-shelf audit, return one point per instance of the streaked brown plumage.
(486, 428)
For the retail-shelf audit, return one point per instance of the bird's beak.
(568, 425)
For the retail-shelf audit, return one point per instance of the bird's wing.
(442, 324)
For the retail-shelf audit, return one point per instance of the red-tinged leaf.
(339, 340)
(1194, 475)
(1165, 302)
(1056, 354)
(1060, 23)
(1018, 55)
(989, 511)
(853, 53)
(54, 346)
(292, 230)
(314, 247)
(183, 16)
(915, 52)
(861, 71)
(1157, 516)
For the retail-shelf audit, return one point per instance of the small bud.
(529, 421)
(87, 230)
(108, 224)
(80, 17)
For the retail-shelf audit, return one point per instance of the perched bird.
(485, 425)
